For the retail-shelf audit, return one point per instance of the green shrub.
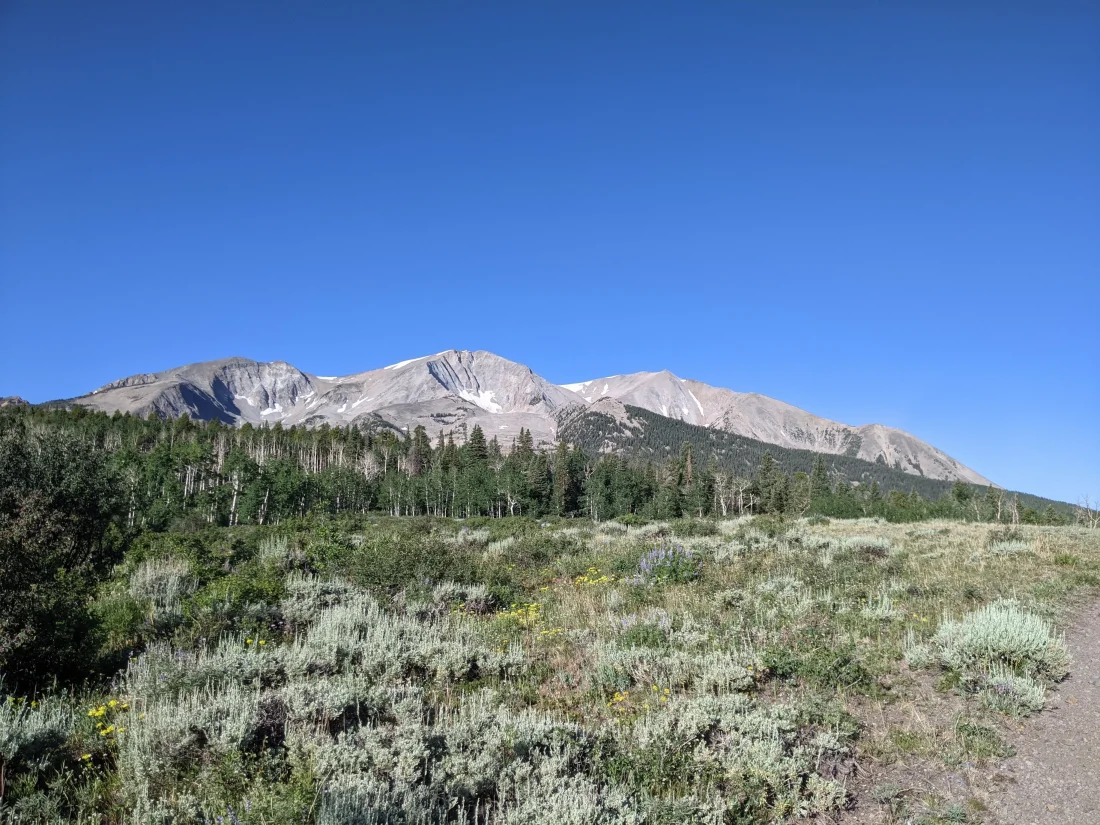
(772, 526)
(981, 742)
(867, 548)
(644, 634)
(820, 665)
(57, 498)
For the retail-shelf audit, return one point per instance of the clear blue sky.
(876, 211)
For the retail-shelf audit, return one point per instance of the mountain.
(774, 422)
(456, 389)
(637, 433)
(449, 390)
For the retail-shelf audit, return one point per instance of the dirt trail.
(1055, 777)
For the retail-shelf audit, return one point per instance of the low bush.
(817, 663)
(1002, 634)
(667, 562)
(1013, 695)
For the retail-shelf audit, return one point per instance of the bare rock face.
(13, 401)
(449, 390)
(234, 390)
(774, 422)
(457, 389)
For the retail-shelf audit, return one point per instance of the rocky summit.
(456, 389)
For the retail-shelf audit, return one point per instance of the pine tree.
(766, 482)
(477, 450)
(686, 468)
(875, 495)
(819, 478)
(419, 454)
(495, 453)
(561, 478)
(540, 483)
(525, 446)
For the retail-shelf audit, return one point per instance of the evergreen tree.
(819, 478)
(566, 486)
(525, 446)
(875, 494)
(687, 470)
(476, 449)
(670, 500)
(540, 483)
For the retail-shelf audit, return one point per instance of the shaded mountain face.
(457, 389)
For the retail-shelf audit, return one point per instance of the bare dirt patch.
(934, 756)
(1055, 776)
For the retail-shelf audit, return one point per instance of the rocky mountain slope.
(774, 422)
(457, 389)
(449, 390)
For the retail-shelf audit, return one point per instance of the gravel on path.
(1054, 779)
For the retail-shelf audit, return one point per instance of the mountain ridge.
(457, 389)
(767, 419)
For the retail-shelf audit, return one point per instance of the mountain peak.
(456, 389)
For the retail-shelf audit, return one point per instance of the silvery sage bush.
(1013, 695)
(32, 735)
(1001, 652)
(757, 748)
(1002, 634)
(480, 756)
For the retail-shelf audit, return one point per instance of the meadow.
(429, 670)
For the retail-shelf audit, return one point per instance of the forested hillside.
(164, 471)
(649, 437)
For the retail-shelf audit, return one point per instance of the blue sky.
(876, 211)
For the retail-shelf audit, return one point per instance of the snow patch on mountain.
(697, 404)
(483, 399)
(401, 364)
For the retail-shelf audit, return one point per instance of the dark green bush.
(644, 634)
(57, 500)
(820, 665)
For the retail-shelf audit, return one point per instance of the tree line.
(160, 472)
